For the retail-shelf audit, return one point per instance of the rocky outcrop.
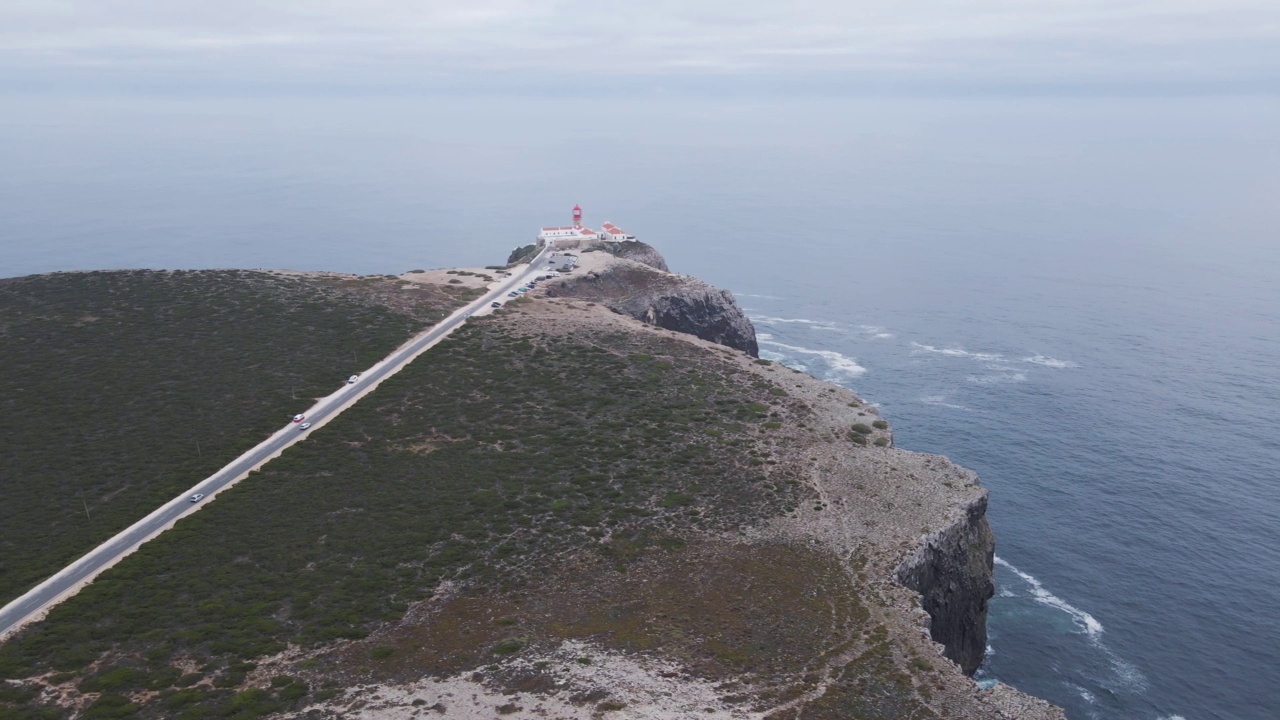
(952, 571)
(522, 254)
(639, 252)
(655, 297)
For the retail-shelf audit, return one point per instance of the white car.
(304, 426)
(196, 498)
(351, 380)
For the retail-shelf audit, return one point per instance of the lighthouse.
(575, 232)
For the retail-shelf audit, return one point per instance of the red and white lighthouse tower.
(577, 216)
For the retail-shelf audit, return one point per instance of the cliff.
(623, 519)
(952, 571)
(640, 252)
(641, 288)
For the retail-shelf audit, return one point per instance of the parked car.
(512, 294)
(351, 380)
(495, 304)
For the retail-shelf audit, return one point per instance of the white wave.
(941, 401)
(770, 320)
(762, 297)
(1085, 694)
(1171, 717)
(998, 379)
(763, 336)
(1047, 361)
(875, 332)
(1130, 677)
(956, 352)
(1081, 618)
(781, 358)
(839, 364)
(1006, 592)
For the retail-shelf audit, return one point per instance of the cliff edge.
(634, 282)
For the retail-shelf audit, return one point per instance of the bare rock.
(656, 297)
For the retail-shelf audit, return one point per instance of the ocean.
(1077, 297)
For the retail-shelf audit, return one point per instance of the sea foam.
(1084, 620)
(815, 324)
(1047, 361)
(839, 364)
(955, 352)
(998, 378)
(941, 401)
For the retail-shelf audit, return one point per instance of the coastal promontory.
(594, 502)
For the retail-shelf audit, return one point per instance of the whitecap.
(875, 332)
(1085, 694)
(839, 364)
(1047, 361)
(763, 336)
(941, 401)
(1129, 676)
(956, 352)
(781, 359)
(762, 297)
(1082, 619)
(770, 320)
(998, 379)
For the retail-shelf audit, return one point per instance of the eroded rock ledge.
(642, 289)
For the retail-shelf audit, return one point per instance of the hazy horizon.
(555, 47)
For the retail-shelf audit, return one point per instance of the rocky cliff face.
(646, 292)
(639, 252)
(952, 571)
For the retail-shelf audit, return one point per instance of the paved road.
(61, 584)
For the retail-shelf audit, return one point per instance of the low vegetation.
(120, 389)
(476, 464)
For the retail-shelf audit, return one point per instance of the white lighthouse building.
(574, 232)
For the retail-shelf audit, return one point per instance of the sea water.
(1077, 297)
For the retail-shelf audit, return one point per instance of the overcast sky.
(1196, 44)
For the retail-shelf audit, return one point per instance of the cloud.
(872, 40)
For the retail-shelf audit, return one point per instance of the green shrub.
(862, 428)
(109, 706)
(508, 647)
(880, 425)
